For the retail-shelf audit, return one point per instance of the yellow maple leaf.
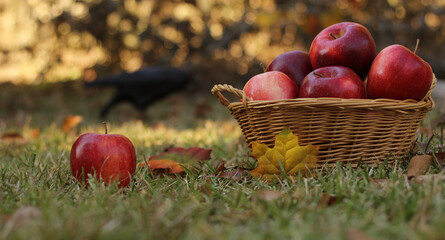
(287, 155)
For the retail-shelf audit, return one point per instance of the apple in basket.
(398, 73)
(332, 81)
(344, 44)
(295, 64)
(273, 85)
(109, 157)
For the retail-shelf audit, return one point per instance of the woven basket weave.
(347, 130)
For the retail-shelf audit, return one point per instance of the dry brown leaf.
(164, 164)
(221, 167)
(13, 138)
(176, 159)
(34, 133)
(440, 158)
(418, 165)
(221, 171)
(205, 187)
(328, 200)
(71, 122)
(236, 174)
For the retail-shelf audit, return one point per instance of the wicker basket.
(347, 130)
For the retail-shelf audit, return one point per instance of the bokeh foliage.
(54, 40)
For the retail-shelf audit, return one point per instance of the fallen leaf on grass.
(205, 187)
(19, 139)
(236, 174)
(220, 166)
(34, 133)
(13, 138)
(195, 154)
(418, 165)
(71, 122)
(287, 156)
(440, 159)
(177, 159)
(327, 200)
(173, 166)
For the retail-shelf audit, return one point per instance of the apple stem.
(332, 35)
(417, 45)
(105, 126)
(263, 67)
(318, 74)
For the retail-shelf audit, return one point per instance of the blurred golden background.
(45, 41)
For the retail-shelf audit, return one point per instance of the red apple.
(272, 85)
(398, 73)
(295, 64)
(332, 81)
(344, 44)
(109, 157)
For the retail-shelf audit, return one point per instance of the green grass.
(37, 174)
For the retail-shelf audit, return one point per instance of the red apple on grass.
(272, 85)
(344, 44)
(109, 157)
(398, 73)
(295, 64)
(332, 81)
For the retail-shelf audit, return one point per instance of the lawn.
(39, 198)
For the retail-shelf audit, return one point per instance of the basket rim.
(341, 103)
(324, 102)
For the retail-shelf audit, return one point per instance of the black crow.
(142, 87)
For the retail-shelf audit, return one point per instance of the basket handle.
(217, 89)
